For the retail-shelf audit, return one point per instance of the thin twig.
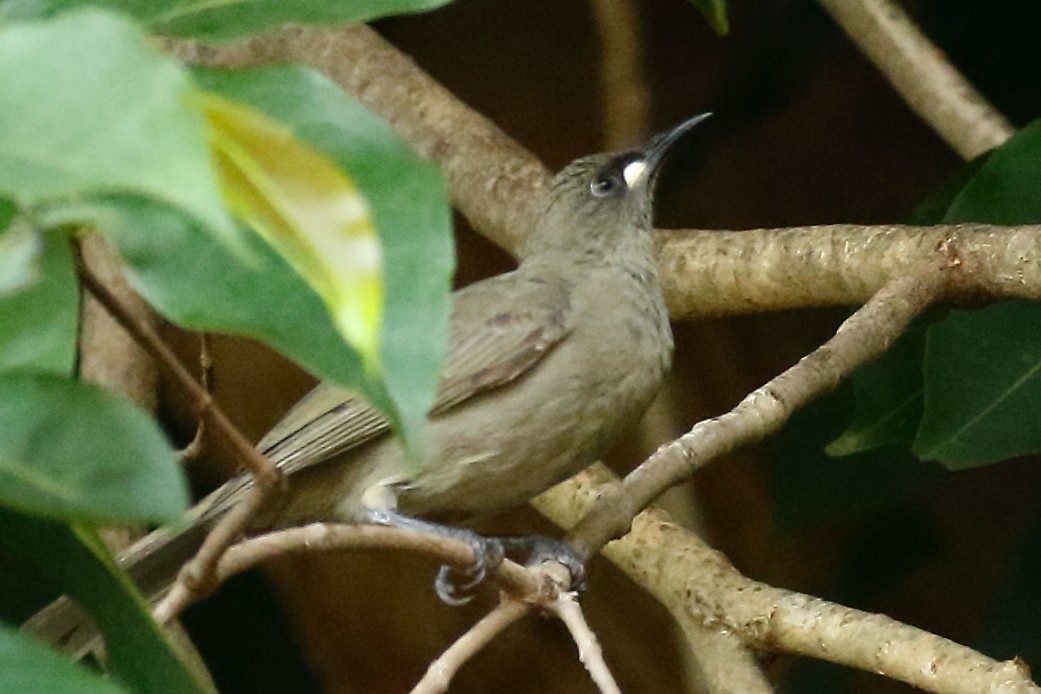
(516, 581)
(688, 577)
(863, 336)
(440, 673)
(196, 577)
(922, 75)
(566, 608)
(266, 474)
(196, 446)
(108, 356)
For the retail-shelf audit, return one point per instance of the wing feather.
(500, 328)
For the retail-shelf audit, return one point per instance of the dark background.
(807, 132)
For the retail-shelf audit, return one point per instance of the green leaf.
(979, 366)
(1004, 189)
(89, 106)
(409, 205)
(983, 386)
(70, 450)
(28, 667)
(934, 208)
(75, 561)
(38, 323)
(715, 12)
(8, 210)
(199, 284)
(205, 19)
(889, 393)
(308, 210)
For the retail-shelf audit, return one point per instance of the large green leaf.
(38, 323)
(983, 376)
(28, 667)
(205, 19)
(1004, 188)
(73, 560)
(70, 450)
(305, 207)
(409, 206)
(179, 269)
(979, 378)
(89, 106)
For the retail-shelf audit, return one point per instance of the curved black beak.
(655, 150)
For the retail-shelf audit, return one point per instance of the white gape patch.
(633, 171)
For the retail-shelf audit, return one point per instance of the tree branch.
(197, 576)
(709, 273)
(690, 578)
(722, 662)
(921, 74)
(496, 184)
(440, 673)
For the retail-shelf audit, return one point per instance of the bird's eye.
(604, 185)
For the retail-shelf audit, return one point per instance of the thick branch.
(921, 74)
(721, 663)
(690, 578)
(708, 273)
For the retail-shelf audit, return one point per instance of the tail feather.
(152, 564)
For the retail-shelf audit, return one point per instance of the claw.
(454, 585)
(541, 549)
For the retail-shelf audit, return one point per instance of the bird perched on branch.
(544, 365)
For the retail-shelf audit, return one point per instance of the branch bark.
(709, 273)
(922, 75)
(692, 579)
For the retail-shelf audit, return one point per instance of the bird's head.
(595, 202)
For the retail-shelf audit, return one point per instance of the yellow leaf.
(305, 207)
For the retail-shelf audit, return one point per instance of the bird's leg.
(452, 585)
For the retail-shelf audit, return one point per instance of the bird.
(543, 365)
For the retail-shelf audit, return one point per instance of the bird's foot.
(453, 585)
(540, 548)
